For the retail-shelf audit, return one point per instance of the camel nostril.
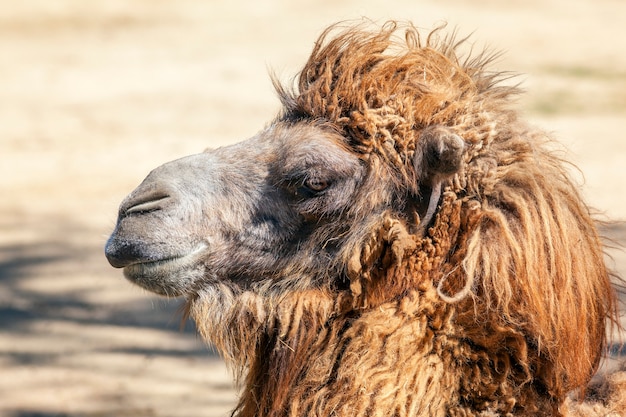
(144, 203)
(147, 206)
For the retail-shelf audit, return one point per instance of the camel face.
(255, 213)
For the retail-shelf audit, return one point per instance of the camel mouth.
(170, 276)
(172, 263)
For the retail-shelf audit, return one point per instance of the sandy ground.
(93, 94)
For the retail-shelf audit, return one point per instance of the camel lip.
(143, 269)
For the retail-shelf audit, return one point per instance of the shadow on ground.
(80, 340)
(54, 280)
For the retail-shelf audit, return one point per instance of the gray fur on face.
(250, 214)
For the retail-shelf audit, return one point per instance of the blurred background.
(96, 93)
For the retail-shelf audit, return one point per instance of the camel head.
(285, 208)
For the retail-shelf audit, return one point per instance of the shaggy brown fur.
(485, 293)
(511, 226)
(542, 293)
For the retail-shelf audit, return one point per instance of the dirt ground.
(93, 94)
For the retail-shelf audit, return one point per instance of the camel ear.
(438, 154)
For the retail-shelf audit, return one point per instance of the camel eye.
(316, 185)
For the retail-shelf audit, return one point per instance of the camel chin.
(170, 277)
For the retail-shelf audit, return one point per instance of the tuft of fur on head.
(382, 90)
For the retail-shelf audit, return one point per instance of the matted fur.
(498, 308)
(534, 256)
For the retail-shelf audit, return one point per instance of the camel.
(397, 242)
